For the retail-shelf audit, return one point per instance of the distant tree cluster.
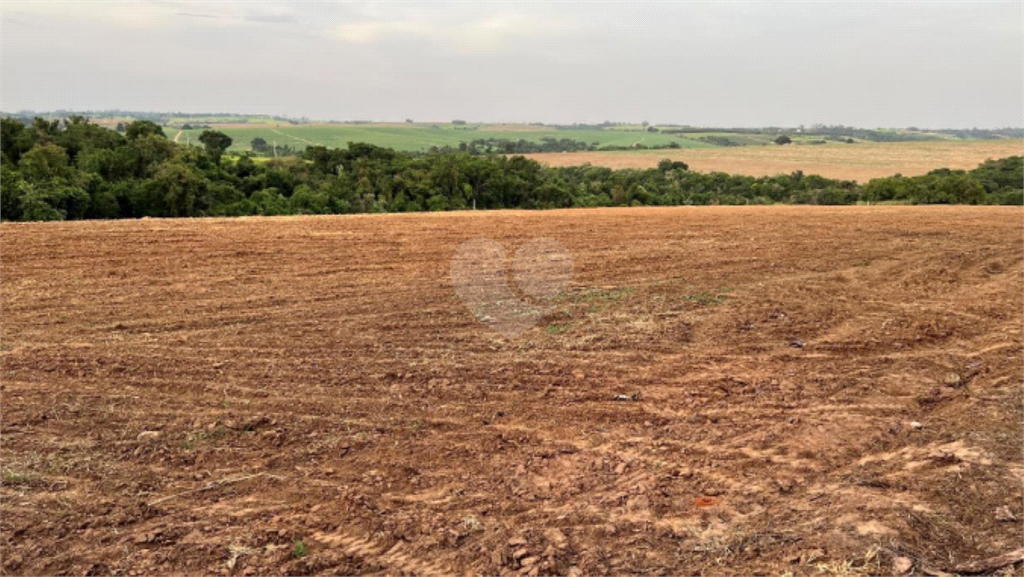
(260, 147)
(840, 133)
(73, 169)
(984, 134)
(601, 126)
(521, 146)
(719, 140)
(546, 144)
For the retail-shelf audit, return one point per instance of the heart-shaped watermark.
(541, 269)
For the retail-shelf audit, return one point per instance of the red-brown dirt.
(800, 390)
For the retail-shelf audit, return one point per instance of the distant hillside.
(280, 135)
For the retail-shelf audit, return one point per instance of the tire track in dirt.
(395, 559)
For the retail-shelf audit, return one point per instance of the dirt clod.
(952, 380)
(556, 538)
(902, 565)
(148, 436)
(1005, 514)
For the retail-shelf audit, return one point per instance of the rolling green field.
(420, 137)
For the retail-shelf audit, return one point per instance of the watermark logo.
(541, 269)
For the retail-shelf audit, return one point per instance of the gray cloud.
(934, 64)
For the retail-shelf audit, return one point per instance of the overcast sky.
(926, 64)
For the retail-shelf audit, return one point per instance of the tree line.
(546, 144)
(73, 169)
(483, 146)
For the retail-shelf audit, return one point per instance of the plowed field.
(801, 390)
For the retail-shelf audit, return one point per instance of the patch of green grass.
(34, 469)
(557, 329)
(707, 298)
(299, 549)
(19, 479)
(193, 438)
(592, 295)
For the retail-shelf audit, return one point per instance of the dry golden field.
(861, 162)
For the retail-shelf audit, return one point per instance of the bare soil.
(721, 390)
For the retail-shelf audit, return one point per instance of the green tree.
(44, 162)
(53, 200)
(35, 206)
(178, 189)
(307, 201)
(142, 156)
(244, 167)
(668, 164)
(103, 203)
(258, 145)
(11, 193)
(140, 128)
(216, 143)
(437, 203)
(270, 202)
(15, 139)
(71, 200)
(619, 196)
(783, 140)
